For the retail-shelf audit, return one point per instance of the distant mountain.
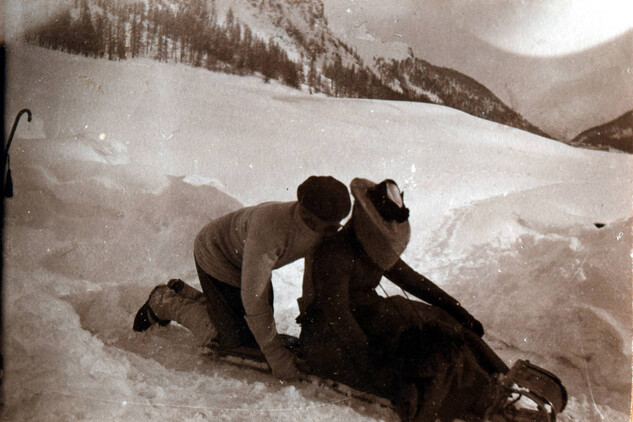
(616, 134)
(421, 80)
(286, 40)
(562, 94)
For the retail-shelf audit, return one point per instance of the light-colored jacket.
(242, 249)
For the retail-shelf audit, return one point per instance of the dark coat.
(355, 336)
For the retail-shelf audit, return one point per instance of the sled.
(247, 360)
(528, 393)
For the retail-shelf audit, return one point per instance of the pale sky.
(536, 27)
(552, 27)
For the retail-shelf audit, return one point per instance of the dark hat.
(382, 235)
(325, 197)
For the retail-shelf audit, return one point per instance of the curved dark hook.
(15, 125)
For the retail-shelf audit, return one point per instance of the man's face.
(326, 228)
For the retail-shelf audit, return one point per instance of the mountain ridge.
(278, 39)
(616, 134)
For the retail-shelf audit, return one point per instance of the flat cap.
(325, 197)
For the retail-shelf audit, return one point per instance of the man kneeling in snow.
(235, 256)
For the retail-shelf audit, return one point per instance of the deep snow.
(125, 161)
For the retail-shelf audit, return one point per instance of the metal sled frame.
(541, 387)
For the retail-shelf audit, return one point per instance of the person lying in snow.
(428, 358)
(235, 256)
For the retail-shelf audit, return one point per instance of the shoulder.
(273, 211)
(267, 225)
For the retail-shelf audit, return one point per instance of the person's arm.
(424, 289)
(257, 267)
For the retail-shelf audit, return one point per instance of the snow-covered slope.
(288, 41)
(124, 162)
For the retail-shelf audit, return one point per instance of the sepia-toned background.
(508, 125)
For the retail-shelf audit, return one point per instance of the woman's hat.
(380, 220)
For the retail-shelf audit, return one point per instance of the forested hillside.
(288, 41)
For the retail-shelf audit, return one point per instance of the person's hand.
(287, 372)
(284, 365)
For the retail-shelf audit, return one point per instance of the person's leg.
(185, 290)
(415, 312)
(450, 382)
(484, 354)
(225, 308)
(487, 358)
(470, 389)
(166, 304)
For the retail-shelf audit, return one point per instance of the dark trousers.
(225, 308)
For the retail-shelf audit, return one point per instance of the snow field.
(125, 161)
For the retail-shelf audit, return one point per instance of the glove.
(281, 360)
(283, 364)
